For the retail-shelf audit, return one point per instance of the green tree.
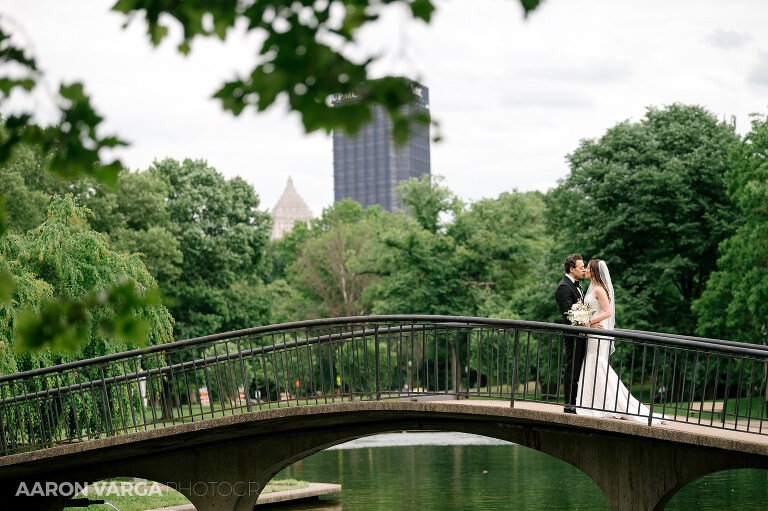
(63, 263)
(649, 198)
(74, 297)
(427, 200)
(421, 269)
(134, 215)
(473, 262)
(331, 269)
(201, 236)
(420, 272)
(735, 302)
(447, 258)
(282, 252)
(439, 257)
(25, 185)
(505, 237)
(28, 188)
(24, 207)
(222, 238)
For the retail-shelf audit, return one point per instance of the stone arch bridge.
(217, 417)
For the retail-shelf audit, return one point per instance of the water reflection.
(742, 489)
(455, 471)
(398, 470)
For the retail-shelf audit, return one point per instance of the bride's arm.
(602, 297)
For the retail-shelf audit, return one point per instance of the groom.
(567, 293)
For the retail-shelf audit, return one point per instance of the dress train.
(601, 393)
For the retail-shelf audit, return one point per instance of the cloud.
(759, 74)
(588, 72)
(551, 97)
(727, 39)
(555, 82)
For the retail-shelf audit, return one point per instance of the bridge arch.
(636, 467)
(511, 471)
(352, 421)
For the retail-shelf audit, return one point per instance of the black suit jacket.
(566, 295)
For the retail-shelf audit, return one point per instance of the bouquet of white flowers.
(580, 313)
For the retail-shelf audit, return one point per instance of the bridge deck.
(531, 415)
(714, 435)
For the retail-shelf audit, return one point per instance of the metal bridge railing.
(714, 383)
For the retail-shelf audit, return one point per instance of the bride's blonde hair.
(594, 270)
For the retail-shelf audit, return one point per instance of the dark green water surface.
(457, 472)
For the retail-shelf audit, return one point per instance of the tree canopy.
(93, 299)
(222, 238)
(735, 302)
(202, 237)
(650, 199)
(331, 269)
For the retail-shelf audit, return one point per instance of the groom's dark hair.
(570, 262)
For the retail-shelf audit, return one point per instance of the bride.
(601, 393)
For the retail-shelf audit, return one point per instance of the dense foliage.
(64, 259)
(735, 302)
(650, 199)
(201, 236)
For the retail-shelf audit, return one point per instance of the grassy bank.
(167, 498)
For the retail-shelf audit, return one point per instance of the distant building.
(289, 209)
(368, 166)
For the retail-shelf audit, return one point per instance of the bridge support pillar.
(636, 475)
(226, 477)
(229, 477)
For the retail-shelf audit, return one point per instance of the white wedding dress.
(601, 393)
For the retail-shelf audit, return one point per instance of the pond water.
(456, 471)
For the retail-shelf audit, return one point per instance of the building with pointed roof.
(288, 210)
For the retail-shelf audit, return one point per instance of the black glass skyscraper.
(368, 166)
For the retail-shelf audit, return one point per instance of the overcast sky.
(513, 96)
